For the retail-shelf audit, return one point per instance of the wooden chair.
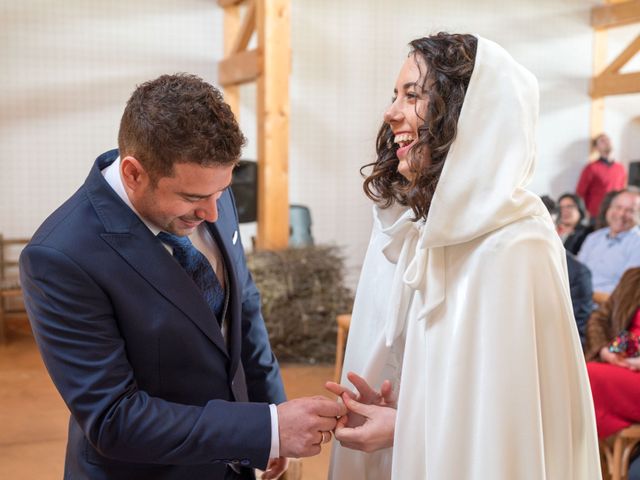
(616, 452)
(294, 471)
(344, 322)
(10, 292)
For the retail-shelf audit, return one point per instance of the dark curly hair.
(449, 60)
(178, 119)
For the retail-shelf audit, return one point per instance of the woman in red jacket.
(613, 357)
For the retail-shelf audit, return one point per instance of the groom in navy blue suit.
(164, 377)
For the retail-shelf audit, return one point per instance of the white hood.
(492, 159)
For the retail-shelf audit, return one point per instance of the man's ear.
(133, 173)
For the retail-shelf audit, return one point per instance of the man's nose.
(208, 210)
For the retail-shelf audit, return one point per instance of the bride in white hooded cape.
(469, 314)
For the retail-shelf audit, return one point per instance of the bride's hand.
(366, 395)
(376, 431)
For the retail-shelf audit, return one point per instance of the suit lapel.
(136, 244)
(224, 241)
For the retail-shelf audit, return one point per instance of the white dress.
(469, 314)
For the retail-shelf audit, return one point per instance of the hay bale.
(302, 291)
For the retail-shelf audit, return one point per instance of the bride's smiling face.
(407, 112)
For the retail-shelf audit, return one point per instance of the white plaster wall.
(68, 68)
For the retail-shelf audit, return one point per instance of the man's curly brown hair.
(449, 60)
(178, 119)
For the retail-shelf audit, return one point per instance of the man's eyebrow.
(198, 195)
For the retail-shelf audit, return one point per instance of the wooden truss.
(607, 79)
(269, 65)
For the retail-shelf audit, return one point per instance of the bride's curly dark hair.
(449, 59)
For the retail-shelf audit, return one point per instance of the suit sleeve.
(599, 332)
(581, 296)
(262, 372)
(86, 355)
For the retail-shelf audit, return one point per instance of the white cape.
(470, 314)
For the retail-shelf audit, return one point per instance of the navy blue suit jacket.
(154, 390)
(581, 293)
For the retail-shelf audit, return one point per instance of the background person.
(570, 222)
(611, 251)
(600, 176)
(613, 362)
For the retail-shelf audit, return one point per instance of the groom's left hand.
(275, 468)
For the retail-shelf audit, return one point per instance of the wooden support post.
(273, 124)
(231, 28)
(599, 64)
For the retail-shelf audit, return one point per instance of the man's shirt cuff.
(275, 433)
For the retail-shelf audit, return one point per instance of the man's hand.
(275, 468)
(375, 433)
(306, 423)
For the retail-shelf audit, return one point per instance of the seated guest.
(634, 470)
(569, 225)
(614, 358)
(581, 293)
(579, 282)
(610, 251)
(601, 219)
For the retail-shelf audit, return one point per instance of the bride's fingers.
(367, 394)
(359, 407)
(341, 423)
(388, 395)
(338, 389)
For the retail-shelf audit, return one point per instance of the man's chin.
(181, 230)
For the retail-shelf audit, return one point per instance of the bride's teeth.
(403, 139)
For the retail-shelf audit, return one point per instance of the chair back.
(10, 249)
(11, 304)
(299, 226)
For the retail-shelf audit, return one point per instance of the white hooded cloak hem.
(469, 314)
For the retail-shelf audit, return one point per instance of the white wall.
(68, 68)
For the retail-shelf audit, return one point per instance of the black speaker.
(634, 173)
(245, 189)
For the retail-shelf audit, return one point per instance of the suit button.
(245, 462)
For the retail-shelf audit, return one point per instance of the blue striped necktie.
(199, 269)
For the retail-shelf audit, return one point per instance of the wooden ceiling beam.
(618, 84)
(230, 3)
(240, 68)
(615, 15)
(622, 59)
(246, 30)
